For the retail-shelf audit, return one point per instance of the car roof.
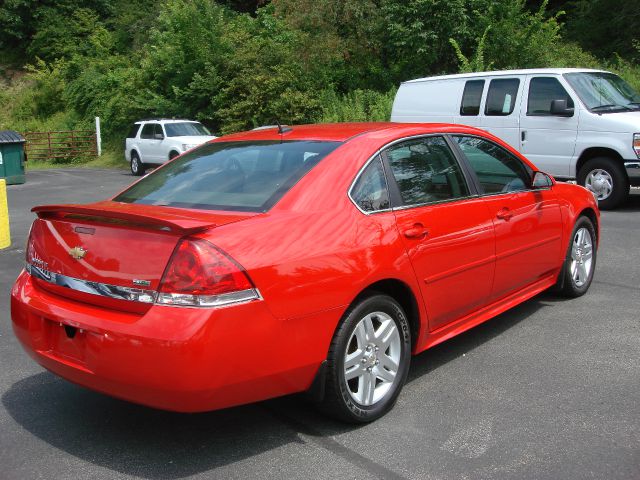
(342, 132)
(166, 120)
(497, 73)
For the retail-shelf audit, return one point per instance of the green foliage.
(238, 64)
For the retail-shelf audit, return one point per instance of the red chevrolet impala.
(314, 258)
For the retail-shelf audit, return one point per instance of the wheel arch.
(137, 152)
(595, 152)
(401, 293)
(171, 152)
(591, 215)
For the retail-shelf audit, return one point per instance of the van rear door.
(501, 113)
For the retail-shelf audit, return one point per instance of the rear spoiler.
(142, 216)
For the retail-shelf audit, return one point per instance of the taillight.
(200, 275)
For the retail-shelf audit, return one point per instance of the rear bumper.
(181, 359)
(633, 172)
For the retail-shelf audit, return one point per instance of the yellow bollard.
(5, 236)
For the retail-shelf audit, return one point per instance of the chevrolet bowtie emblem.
(77, 253)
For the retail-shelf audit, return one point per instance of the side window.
(542, 91)
(147, 131)
(501, 98)
(497, 170)
(159, 130)
(134, 130)
(370, 191)
(426, 171)
(471, 97)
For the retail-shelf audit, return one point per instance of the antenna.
(283, 128)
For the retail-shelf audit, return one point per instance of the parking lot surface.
(548, 390)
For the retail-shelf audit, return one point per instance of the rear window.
(471, 97)
(185, 129)
(134, 130)
(235, 176)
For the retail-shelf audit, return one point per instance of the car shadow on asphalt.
(140, 441)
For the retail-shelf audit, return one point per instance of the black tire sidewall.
(620, 180)
(136, 160)
(351, 410)
(569, 287)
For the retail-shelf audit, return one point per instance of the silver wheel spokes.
(581, 257)
(372, 358)
(600, 183)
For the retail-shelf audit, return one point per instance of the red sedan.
(313, 258)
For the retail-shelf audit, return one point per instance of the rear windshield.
(236, 176)
(186, 129)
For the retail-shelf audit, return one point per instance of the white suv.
(154, 141)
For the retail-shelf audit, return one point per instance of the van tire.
(608, 170)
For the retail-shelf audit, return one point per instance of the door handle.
(417, 231)
(523, 135)
(504, 214)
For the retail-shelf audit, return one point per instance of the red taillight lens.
(197, 268)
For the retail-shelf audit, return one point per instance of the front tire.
(368, 360)
(137, 167)
(607, 179)
(580, 262)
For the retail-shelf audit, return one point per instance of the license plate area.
(65, 342)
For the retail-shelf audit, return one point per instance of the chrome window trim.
(116, 292)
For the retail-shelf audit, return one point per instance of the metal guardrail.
(60, 145)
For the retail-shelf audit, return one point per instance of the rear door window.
(501, 97)
(237, 176)
(426, 171)
(147, 131)
(542, 91)
(471, 97)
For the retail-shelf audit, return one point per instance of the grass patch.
(109, 159)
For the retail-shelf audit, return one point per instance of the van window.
(542, 91)
(370, 191)
(471, 97)
(426, 171)
(501, 98)
(498, 171)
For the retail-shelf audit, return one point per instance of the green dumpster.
(12, 157)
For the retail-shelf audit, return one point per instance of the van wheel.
(608, 181)
(368, 360)
(137, 167)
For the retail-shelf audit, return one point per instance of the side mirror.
(541, 180)
(559, 108)
(158, 136)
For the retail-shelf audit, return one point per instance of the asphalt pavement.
(548, 390)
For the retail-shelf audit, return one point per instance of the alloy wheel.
(372, 358)
(581, 257)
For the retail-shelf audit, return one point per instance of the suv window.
(185, 129)
(370, 192)
(426, 171)
(158, 130)
(237, 176)
(542, 91)
(471, 97)
(148, 130)
(133, 132)
(497, 170)
(501, 98)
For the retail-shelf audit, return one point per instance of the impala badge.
(77, 253)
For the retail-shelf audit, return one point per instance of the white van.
(572, 123)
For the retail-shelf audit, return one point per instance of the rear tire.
(607, 179)
(137, 167)
(580, 261)
(173, 155)
(368, 360)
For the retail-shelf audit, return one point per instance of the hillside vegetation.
(239, 64)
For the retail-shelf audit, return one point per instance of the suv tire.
(137, 167)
